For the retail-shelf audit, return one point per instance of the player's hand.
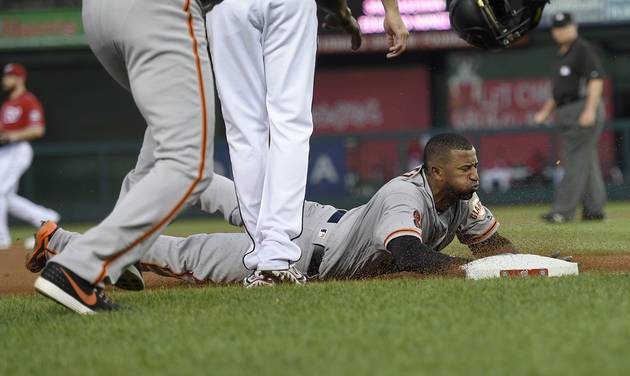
(540, 118)
(556, 255)
(587, 118)
(4, 138)
(397, 34)
(339, 17)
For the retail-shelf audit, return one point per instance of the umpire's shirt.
(573, 71)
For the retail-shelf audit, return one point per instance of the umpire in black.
(577, 92)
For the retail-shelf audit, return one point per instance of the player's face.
(461, 176)
(9, 82)
(565, 34)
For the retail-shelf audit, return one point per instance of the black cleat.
(71, 291)
(131, 278)
(593, 216)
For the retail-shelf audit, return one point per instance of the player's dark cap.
(561, 19)
(14, 69)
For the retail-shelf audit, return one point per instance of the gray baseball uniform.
(157, 49)
(354, 242)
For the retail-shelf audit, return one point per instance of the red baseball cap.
(15, 70)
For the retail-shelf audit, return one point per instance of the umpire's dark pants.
(582, 181)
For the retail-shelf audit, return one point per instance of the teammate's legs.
(213, 257)
(289, 44)
(144, 164)
(163, 45)
(234, 31)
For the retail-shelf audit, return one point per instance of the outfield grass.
(570, 326)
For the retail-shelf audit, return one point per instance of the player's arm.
(591, 69)
(594, 91)
(541, 116)
(411, 255)
(494, 245)
(27, 134)
(339, 16)
(395, 29)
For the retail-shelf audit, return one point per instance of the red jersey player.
(21, 120)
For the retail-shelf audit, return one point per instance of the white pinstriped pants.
(263, 52)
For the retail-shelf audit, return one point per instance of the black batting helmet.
(494, 24)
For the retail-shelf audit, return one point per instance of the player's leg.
(575, 157)
(200, 258)
(234, 32)
(29, 211)
(197, 258)
(5, 235)
(594, 198)
(290, 41)
(208, 257)
(144, 164)
(12, 166)
(220, 196)
(163, 45)
(19, 206)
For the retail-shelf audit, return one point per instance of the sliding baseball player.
(403, 227)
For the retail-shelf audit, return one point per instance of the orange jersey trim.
(409, 231)
(486, 234)
(204, 139)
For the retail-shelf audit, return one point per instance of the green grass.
(522, 225)
(574, 326)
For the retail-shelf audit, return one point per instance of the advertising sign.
(481, 103)
(34, 29)
(371, 100)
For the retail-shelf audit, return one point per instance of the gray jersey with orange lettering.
(356, 247)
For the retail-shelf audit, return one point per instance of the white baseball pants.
(15, 159)
(263, 52)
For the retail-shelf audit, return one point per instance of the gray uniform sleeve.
(401, 215)
(477, 222)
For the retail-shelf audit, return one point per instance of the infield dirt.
(16, 279)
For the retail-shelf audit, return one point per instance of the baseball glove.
(339, 16)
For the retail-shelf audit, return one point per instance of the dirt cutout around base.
(16, 279)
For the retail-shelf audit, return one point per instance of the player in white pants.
(264, 60)
(21, 120)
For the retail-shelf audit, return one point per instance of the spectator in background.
(536, 165)
(21, 120)
(577, 92)
(498, 175)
